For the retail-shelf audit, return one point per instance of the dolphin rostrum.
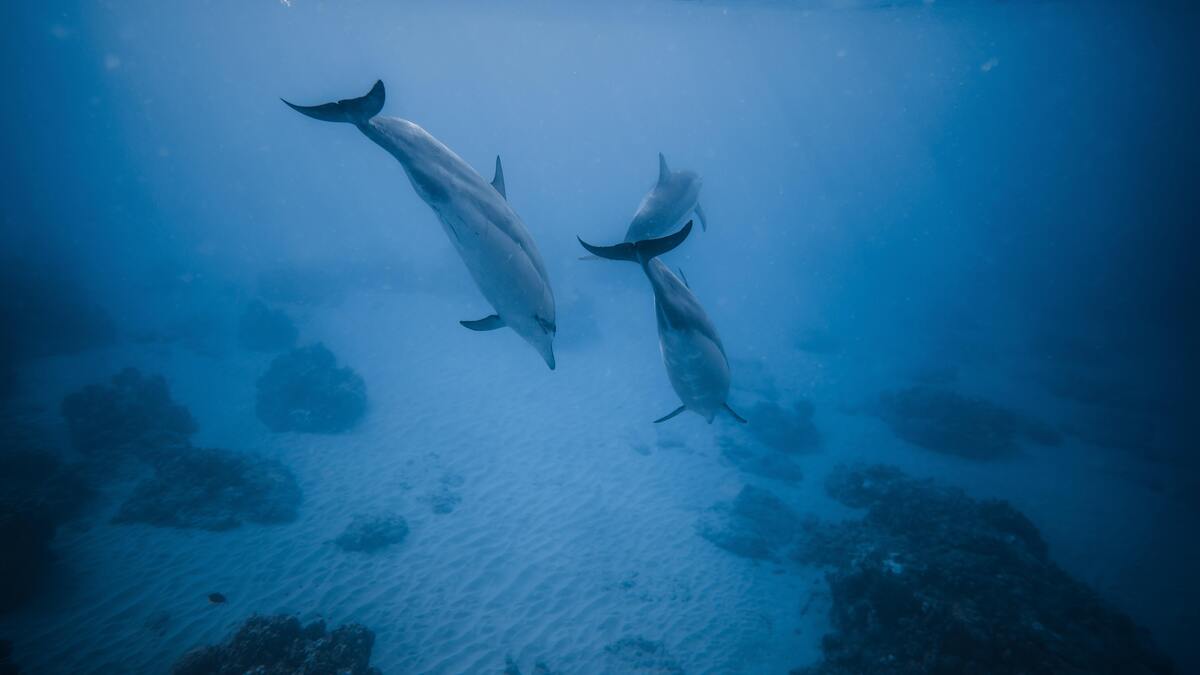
(691, 349)
(673, 197)
(488, 234)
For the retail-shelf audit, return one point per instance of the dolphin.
(488, 234)
(673, 197)
(692, 350)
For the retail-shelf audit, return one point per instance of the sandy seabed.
(576, 526)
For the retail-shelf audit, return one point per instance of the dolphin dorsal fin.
(498, 181)
(664, 172)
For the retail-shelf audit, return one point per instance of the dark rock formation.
(304, 390)
(368, 534)
(279, 645)
(933, 581)
(212, 490)
(948, 422)
(263, 329)
(756, 524)
(134, 416)
(639, 655)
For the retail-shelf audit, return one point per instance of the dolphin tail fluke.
(640, 251)
(671, 414)
(736, 416)
(355, 111)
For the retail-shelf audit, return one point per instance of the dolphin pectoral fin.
(673, 413)
(703, 218)
(736, 416)
(683, 277)
(498, 181)
(664, 172)
(486, 323)
(353, 110)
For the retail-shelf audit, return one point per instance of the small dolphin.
(488, 234)
(691, 349)
(673, 197)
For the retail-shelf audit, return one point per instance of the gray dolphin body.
(691, 349)
(488, 234)
(673, 198)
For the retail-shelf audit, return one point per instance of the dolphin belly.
(508, 279)
(697, 369)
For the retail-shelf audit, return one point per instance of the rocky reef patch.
(951, 423)
(304, 390)
(281, 645)
(930, 580)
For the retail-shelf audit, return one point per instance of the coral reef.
(945, 421)
(280, 645)
(755, 524)
(133, 416)
(371, 533)
(263, 329)
(212, 490)
(304, 390)
(933, 581)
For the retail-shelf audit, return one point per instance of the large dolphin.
(673, 197)
(488, 234)
(691, 349)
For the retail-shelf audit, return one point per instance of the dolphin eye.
(547, 326)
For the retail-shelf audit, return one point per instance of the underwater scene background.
(950, 255)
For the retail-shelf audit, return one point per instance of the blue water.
(955, 238)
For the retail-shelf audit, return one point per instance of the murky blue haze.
(950, 255)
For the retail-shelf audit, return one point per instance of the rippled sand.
(576, 525)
